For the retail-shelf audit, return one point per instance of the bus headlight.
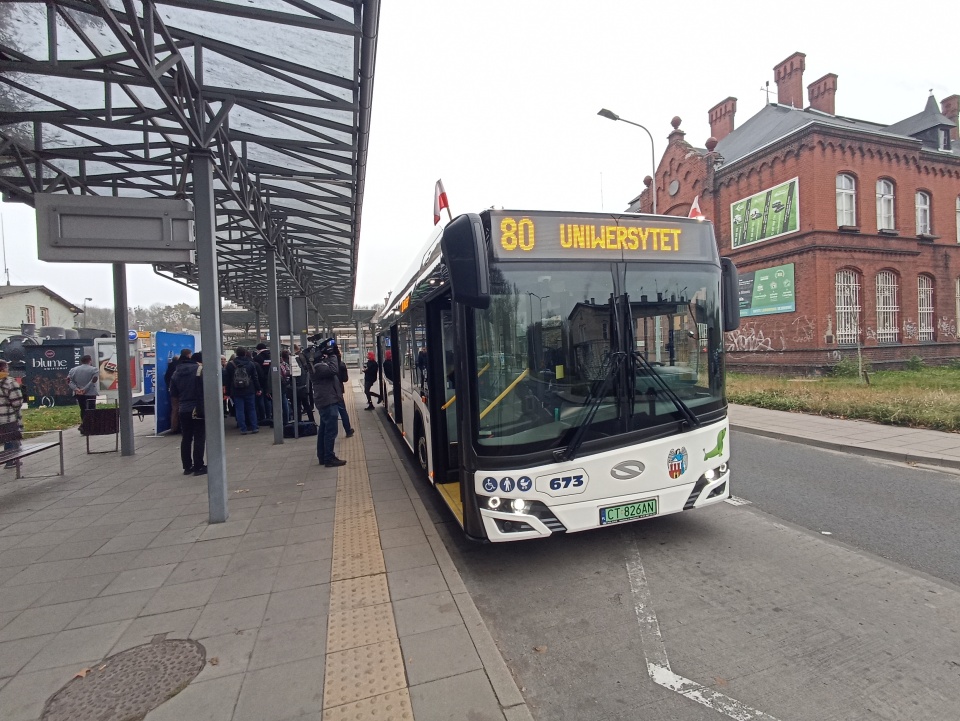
(493, 503)
(519, 505)
(710, 475)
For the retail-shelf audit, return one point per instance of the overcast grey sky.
(499, 99)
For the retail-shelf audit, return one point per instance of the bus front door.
(443, 396)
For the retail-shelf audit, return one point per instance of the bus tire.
(420, 445)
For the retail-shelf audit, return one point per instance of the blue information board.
(168, 347)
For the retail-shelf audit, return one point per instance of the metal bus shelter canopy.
(111, 97)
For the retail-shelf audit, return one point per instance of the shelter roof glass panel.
(113, 96)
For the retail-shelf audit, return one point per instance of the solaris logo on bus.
(677, 462)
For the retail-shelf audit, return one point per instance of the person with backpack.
(186, 385)
(243, 385)
(328, 394)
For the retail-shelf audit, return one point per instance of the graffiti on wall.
(946, 328)
(803, 329)
(909, 329)
(751, 338)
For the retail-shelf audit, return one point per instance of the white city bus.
(555, 372)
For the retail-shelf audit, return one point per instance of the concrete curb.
(927, 460)
(512, 703)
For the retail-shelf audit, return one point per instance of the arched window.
(848, 307)
(958, 218)
(923, 213)
(956, 330)
(888, 308)
(925, 307)
(846, 200)
(885, 215)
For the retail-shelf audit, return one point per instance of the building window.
(31, 314)
(848, 307)
(885, 220)
(846, 200)
(923, 213)
(888, 311)
(925, 307)
(44, 317)
(956, 331)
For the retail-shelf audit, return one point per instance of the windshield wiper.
(689, 416)
(595, 401)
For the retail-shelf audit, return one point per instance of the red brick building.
(846, 233)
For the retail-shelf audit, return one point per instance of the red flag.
(695, 211)
(440, 202)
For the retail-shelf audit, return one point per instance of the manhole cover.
(128, 685)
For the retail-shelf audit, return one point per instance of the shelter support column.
(124, 393)
(273, 316)
(209, 286)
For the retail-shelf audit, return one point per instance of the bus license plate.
(628, 511)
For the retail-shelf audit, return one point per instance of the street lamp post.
(604, 113)
(539, 298)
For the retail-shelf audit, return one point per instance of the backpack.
(241, 378)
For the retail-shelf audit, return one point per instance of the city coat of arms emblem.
(677, 462)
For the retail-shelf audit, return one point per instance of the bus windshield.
(563, 344)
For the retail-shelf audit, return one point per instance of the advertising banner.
(767, 291)
(45, 381)
(168, 347)
(106, 357)
(765, 215)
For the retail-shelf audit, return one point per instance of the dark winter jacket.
(251, 369)
(370, 371)
(187, 385)
(327, 386)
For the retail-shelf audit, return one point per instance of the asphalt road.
(909, 515)
(780, 619)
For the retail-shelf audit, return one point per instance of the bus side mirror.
(730, 292)
(465, 253)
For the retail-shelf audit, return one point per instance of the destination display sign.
(546, 235)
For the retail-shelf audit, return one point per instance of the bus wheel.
(422, 450)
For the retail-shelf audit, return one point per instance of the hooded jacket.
(186, 384)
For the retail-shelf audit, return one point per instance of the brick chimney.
(951, 108)
(823, 94)
(721, 118)
(789, 78)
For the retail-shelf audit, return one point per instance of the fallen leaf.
(215, 661)
(720, 681)
(540, 649)
(82, 673)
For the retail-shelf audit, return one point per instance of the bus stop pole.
(124, 394)
(294, 401)
(209, 286)
(273, 321)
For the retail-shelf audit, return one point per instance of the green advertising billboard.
(765, 215)
(767, 291)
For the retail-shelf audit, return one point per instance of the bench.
(28, 449)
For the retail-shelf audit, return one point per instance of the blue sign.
(149, 378)
(524, 484)
(506, 484)
(132, 334)
(168, 346)
(489, 484)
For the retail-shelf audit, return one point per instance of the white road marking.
(655, 653)
(735, 501)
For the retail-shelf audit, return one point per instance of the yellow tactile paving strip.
(364, 677)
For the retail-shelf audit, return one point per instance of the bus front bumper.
(505, 525)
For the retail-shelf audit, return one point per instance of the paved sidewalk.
(326, 595)
(909, 445)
